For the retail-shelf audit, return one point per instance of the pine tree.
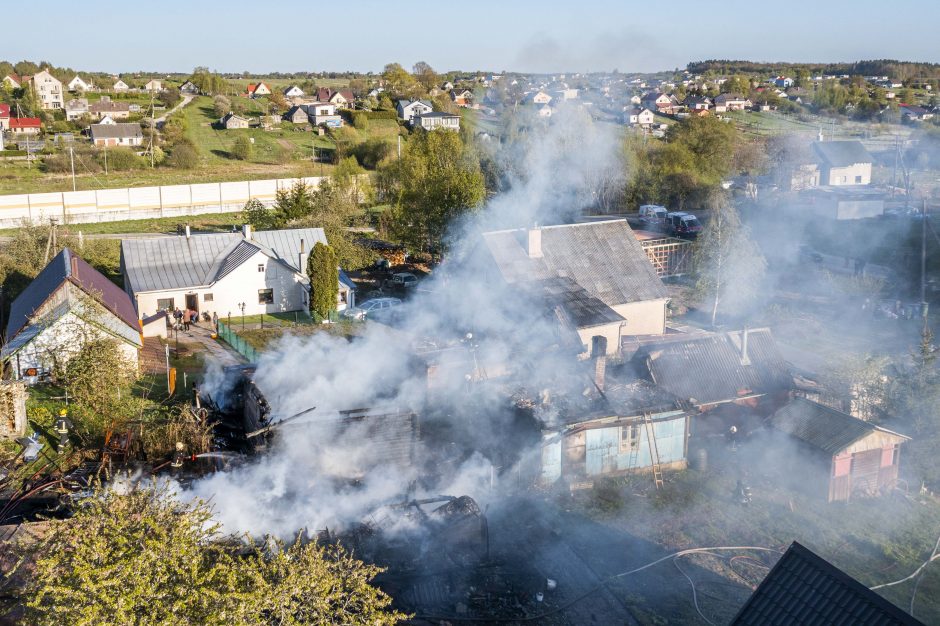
(324, 281)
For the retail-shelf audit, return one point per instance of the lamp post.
(241, 305)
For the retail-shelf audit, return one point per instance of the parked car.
(406, 280)
(371, 307)
(682, 224)
(653, 215)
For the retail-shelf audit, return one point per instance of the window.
(265, 296)
(261, 267)
(629, 438)
(858, 180)
(207, 297)
(165, 304)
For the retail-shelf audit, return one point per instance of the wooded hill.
(902, 70)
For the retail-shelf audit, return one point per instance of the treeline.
(901, 70)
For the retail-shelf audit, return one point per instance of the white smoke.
(316, 474)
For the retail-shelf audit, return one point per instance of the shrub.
(183, 156)
(360, 120)
(121, 159)
(372, 152)
(241, 149)
(380, 115)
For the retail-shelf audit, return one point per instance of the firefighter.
(179, 456)
(62, 426)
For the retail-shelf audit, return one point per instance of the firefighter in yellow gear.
(62, 426)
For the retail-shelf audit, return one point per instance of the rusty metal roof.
(803, 588)
(823, 427)
(710, 369)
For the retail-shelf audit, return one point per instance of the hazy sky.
(522, 35)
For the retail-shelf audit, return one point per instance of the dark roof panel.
(842, 153)
(823, 427)
(805, 589)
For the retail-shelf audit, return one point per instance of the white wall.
(847, 175)
(241, 285)
(643, 318)
(109, 205)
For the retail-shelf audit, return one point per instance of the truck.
(653, 216)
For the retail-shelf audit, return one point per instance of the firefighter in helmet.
(62, 426)
(179, 456)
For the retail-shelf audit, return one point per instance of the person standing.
(186, 319)
(62, 426)
(215, 321)
(178, 316)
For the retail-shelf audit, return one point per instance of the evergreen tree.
(324, 281)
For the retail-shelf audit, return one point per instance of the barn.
(861, 458)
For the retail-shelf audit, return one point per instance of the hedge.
(12, 153)
(380, 115)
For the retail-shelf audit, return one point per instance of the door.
(192, 302)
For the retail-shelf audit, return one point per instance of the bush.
(56, 163)
(9, 153)
(241, 149)
(372, 152)
(169, 98)
(183, 156)
(120, 159)
(360, 120)
(380, 115)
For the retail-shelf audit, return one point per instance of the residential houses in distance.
(106, 107)
(77, 84)
(342, 98)
(120, 86)
(116, 134)
(48, 90)
(408, 109)
(231, 121)
(258, 89)
(435, 120)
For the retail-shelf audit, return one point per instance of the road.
(186, 100)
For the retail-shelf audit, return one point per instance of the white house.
(76, 108)
(48, 90)
(293, 92)
(260, 89)
(154, 84)
(594, 276)
(639, 117)
(224, 273)
(68, 304)
(544, 111)
(408, 109)
(77, 84)
(539, 97)
(119, 85)
(435, 120)
(116, 134)
(14, 81)
(843, 162)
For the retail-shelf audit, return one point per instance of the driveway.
(186, 100)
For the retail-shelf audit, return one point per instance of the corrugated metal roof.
(823, 427)
(602, 257)
(67, 266)
(116, 131)
(581, 308)
(805, 589)
(170, 263)
(842, 153)
(709, 369)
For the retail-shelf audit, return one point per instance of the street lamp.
(241, 305)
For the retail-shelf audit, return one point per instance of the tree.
(241, 149)
(293, 203)
(169, 97)
(425, 75)
(183, 156)
(260, 217)
(324, 280)
(399, 81)
(145, 557)
(221, 105)
(439, 182)
(728, 265)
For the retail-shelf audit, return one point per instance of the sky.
(511, 35)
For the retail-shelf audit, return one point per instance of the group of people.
(185, 317)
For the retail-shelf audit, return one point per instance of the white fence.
(111, 205)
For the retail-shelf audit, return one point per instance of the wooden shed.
(862, 458)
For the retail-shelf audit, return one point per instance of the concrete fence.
(132, 203)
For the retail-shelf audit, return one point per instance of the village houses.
(120, 86)
(48, 90)
(435, 120)
(116, 134)
(77, 84)
(408, 109)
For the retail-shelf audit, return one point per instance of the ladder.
(654, 450)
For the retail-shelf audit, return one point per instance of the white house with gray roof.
(218, 272)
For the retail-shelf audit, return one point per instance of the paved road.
(186, 100)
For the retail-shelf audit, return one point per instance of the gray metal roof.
(602, 257)
(709, 369)
(177, 262)
(823, 427)
(577, 306)
(116, 131)
(842, 153)
(805, 589)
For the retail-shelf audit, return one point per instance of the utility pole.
(923, 261)
(72, 161)
(106, 159)
(153, 128)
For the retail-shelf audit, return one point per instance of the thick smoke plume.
(313, 476)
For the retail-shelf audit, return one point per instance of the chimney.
(745, 360)
(187, 231)
(246, 231)
(534, 243)
(599, 355)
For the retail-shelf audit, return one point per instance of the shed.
(803, 588)
(859, 457)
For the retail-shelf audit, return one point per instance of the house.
(114, 109)
(567, 93)
(912, 113)
(77, 84)
(699, 113)
(408, 109)
(639, 117)
(189, 89)
(66, 305)
(721, 368)
(435, 120)
(447, 86)
(324, 114)
(119, 86)
(544, 111)
(216, 272)
(48, 90)
(462, 98)
(343, 98)
(731, 102)
(154, 85)
(232, 121)
(843, 162)
(848, 457)
(594, 277)
(293, 92)
(4, 116)
(539, 97)
(698, 103)
(297, 114)
(123, 134)
(783, 82)
(803, 588)
(16, 82)
(660, 102)
(76, 108)
(259, 89)
(25, 125)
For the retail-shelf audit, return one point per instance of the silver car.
(371, 307)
